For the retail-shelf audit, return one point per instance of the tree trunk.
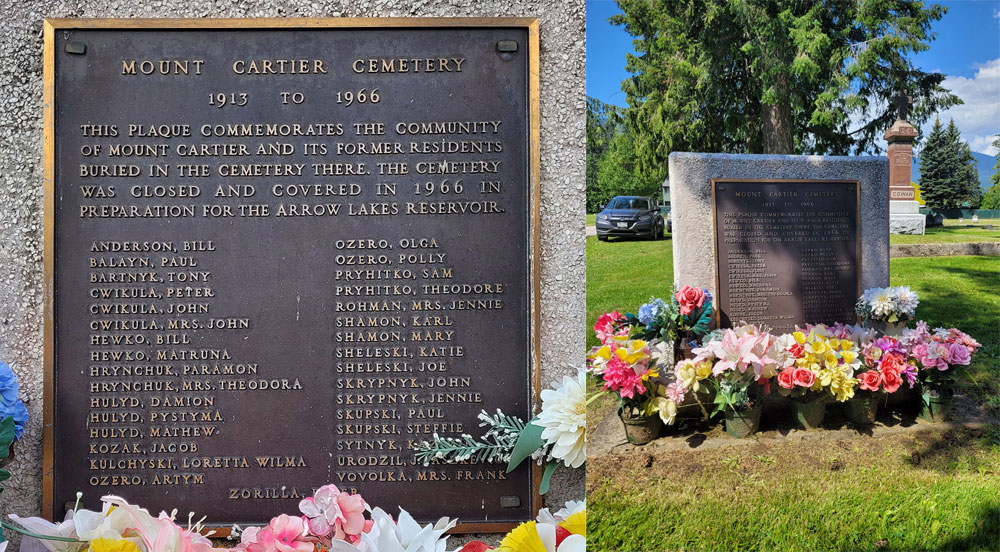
(776, 121)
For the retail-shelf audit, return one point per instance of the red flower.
(891, 380)
(804, 377)
(871, 380)
(689, 299)
(786, 379)
(798, 350)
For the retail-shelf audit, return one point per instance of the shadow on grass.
(985, 536)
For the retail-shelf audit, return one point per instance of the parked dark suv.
(631, 216)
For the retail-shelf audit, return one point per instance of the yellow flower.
(834, 344)
(846, 344)
(524, 538)
(816, 346)
(687, 374)
(799, 337)
(575, 523)
(831, 360)
(112, 545)
(704, 369)
(604, 353)
(849, 356)
(633, 351)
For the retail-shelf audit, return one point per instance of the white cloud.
(979, 117)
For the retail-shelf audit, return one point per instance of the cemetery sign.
(280, 252)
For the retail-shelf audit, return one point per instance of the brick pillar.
(900, 137)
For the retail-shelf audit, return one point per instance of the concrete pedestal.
(905, 217)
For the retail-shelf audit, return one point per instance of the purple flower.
(958, 354)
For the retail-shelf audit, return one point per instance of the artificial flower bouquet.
(689, 310)
(891, 305)
(742, 364)
(940, 356)
(624, 368)
(329, 521)
(886, 360)
(821, 366)
(563, 531)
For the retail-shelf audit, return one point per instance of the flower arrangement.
(886, 360)
(331, 521)
(740, 362)
(624, 368)
(889, 305)
(118, 527)
(822, 365)
(557, 434)
(689, 310)
(938, 353)
(564, 531)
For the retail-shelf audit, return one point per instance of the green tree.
(992, 198)
(612, 167)
(948, 175)
(774, 76)
(604, 122)
(967, 171)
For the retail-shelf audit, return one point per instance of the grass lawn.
(623, 274)
(930, 490)
(952, 234)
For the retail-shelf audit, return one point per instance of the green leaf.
(528, 442)
(6, 436)
(4, 476)
(550, 468)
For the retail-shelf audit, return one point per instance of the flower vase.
(640, 430)
(936, 404)
(887, 328)
(744, 423)
(810, 413)
(683, 346)
(861, 410)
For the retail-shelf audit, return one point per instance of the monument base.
(905, 218)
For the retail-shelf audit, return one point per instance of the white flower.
(882, 304)
(571, 507)
(907, 300)
(564, 417)
(405, 536)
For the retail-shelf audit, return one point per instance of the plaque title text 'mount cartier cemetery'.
(280, 257)
(787, 252)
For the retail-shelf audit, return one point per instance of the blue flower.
(10, 405)
(8, 386)
(649, 312)
(708, 295)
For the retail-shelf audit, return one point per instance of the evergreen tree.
(948, 175)
(967, 172)
(992, 198)
(774, 76)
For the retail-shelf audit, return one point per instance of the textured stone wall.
(562, 68)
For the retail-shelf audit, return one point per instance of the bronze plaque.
(787, 252)
(284, 251)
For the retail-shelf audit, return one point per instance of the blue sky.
(967, 49)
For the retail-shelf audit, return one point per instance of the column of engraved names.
(162, 359)
(149, 412)
(822, 270)
(400, 360)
